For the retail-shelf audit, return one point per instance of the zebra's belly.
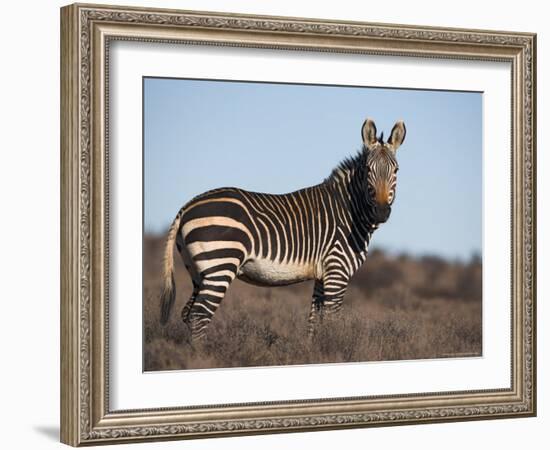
(272, 273)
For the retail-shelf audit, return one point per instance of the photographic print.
(288, 224)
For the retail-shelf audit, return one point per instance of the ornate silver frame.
(86, 31)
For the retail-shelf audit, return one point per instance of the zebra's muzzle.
(382, 213)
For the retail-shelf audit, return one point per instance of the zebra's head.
(381, 172)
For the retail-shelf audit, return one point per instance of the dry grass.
(395, 309)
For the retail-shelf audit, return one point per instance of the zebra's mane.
(348, 166)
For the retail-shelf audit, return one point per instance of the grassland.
(396, 308)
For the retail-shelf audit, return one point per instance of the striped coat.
(318, 233)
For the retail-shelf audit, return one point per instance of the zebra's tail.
(169, 290)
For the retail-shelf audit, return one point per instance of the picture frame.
(87, 33)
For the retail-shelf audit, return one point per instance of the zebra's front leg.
(335, 284)
(210, 294)
(316, 308)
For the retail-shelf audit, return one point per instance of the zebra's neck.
(347, 186)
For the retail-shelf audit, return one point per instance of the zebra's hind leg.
(187, 308)
(315, 314)
(210, 294)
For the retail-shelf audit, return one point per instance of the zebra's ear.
(397, 135)
(368, 132)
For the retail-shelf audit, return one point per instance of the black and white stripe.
(320, 232)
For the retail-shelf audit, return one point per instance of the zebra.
(318, 233)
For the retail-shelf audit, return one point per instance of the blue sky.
(199, 135)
